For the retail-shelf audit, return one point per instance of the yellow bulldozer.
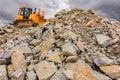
(27, 17)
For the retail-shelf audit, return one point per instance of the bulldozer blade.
(24, 23)
(41, 21)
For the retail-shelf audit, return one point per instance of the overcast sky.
(108, 8)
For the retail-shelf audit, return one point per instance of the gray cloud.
(108, 8)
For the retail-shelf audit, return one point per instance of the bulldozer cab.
(25, 12)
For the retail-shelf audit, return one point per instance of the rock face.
(45, 70)
(74, 45)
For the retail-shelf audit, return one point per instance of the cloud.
(9, 9)
(108, 8)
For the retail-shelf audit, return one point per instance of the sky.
(108, 8)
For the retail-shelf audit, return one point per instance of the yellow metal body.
(26, 14)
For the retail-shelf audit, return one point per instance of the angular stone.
(45, 46)
(35, 42)
(19, 74)
(3, 72)
(29, 59)
(115, 40)
(113, 71)
(9, 30)
(102, 61)
(71, 58)
(102, 76)
(92, 11)
(70, 34)
(91, 23)
(55, 57)
(58, 76)
(68, 74)
(17, 59)
(45, 70)
(36, 49)
(68, 49)
(113, 34)
(81, 71)
(59, 43)
(30, 75)
(81, 46)
(103, 40)
(10, 70)
(26, 50)
(30, 67)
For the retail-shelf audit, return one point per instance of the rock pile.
(76, 45)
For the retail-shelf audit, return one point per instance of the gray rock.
(26, 50)
(3, 72)
(36, 49)
(102, 61)
(29, 58)
(30, 75)
(68, 74)
(58, 76)
(19, 74)
(101, 76)
(45, 70)
(68, 49)
(104, 40)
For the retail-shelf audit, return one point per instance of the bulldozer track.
(24, 23)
